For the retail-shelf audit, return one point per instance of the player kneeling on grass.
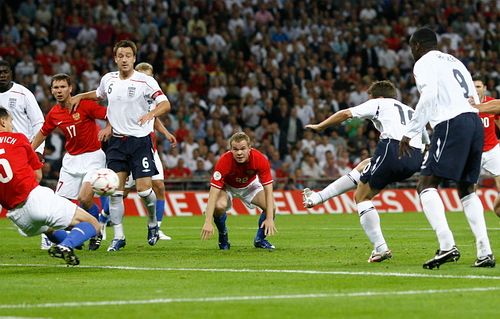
(243, 172)
(385, 167)
(33, 208)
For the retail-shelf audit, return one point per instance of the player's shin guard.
(474, 211)
(57, 236)
(370, 220)
(340, 186)
(434, 211)
(260, 231)
(79, 234)
(160, 210)
(116, 212)
(220, 223)
(105, 204)
(149, 199)
(94, 211)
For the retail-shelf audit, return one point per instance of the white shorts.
(43, 209)
(130, 182)
(490, 161)
(77, 169)
(246, 194)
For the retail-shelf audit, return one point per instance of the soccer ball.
(104, 181)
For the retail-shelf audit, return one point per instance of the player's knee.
(159, 188)
(465, 189)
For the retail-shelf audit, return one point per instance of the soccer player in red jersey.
(84, 154)
(242, 172)
(35, 209)
(491, 150)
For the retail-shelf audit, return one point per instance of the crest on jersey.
(131, 91)
(76, 116)
(12, 103)
(217, 175)
(250, 172)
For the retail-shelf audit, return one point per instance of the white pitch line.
(279, 271)
(245, 298)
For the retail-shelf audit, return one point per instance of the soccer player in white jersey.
(26, 113)
(158, 179)
(456, 148)
(389, 117)
(130, 148)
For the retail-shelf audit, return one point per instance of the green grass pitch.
(319, 270)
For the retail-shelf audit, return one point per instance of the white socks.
(340, 186)
(434, 211)
(474, 211)
(116, 212)
(149, 199)
(369, 219)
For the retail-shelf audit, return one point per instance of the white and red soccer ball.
(104, 181)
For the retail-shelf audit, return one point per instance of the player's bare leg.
(370, 221)
(86, 199)
(340, 186)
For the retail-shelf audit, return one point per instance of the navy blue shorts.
(386, 167)
(456, 149)
(131, 154)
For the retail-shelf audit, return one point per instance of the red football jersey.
(228, 171)
(490, 134)
(79, 127)
(17, 163)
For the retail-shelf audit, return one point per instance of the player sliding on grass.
(243, 172)
(33, 208)
(385, 167)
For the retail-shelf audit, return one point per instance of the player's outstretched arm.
(208, 228)
(38, 140)
(492, 107)
(75, 100)
(334, 119)
(268, 223)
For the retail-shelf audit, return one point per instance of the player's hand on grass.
(269, 228)
(207, 231)
(404, 147)
(314, 127)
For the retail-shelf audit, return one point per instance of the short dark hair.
(425, 37)
(5, 63)
(61, 77)
(479, 77)
(382, 89)
(4, 113)
(125, 44)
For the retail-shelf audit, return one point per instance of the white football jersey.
(389, 117)
(445, 86)
(129, 100)
(27, 117)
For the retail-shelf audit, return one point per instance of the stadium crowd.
(266, 67)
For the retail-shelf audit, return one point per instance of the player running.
(386, 166)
